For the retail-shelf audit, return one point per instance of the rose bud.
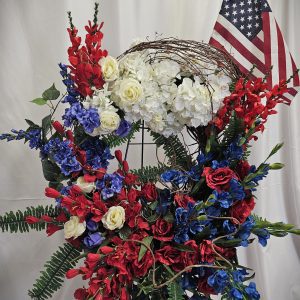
(72, 273)
(47, 218)
(58, 127)
(125, 166)
(52, 193)
(70, 136)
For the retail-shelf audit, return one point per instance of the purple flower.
(91, 225)
(124, 128)
(93, 239)
(110, 184)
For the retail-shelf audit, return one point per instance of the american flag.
(248, 31)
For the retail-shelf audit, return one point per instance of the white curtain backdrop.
(33, 40)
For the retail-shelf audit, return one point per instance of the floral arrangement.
(162, 232)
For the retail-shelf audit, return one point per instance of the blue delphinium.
(263, 172)
(234, 151)
(34, 136)
(236, 190)
(223, 198)
(219, 164)
(187, 223)
(93, 239)
(97, 153)
(263, 235)
(228, 227)
(63, 155)
(174, 176)
(123, 129)
(245, 230)
(204, 158)
(218, 281)
(252, 292)
(110, 185)
(239, 275)
(236, 294)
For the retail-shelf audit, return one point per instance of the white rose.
(86, 187)
(110, 121)
(110, 68)
(73, 228)
(130, 91)
(114, 218)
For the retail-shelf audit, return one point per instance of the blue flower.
(234, 152)
(203, 158)
(92, 225)
(223, 198)
(164, 201)
(187, 223)
(97, 153)
(174, 176)
(263, 235)
(110, 185)
(124, 128)
(236, 190)
(252, 292)
(228, 227)
(236, 294)
(245, 231)
(93, 239)
(239, 275)
(218, 281)
(263, 172)
(219, 164)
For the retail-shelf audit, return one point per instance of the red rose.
(241, 210)
(190, 257)
(169, 256)
(182, 200)
(149, 192)
(206, 252)
(162, 230)
(218, 179)
(81, 294)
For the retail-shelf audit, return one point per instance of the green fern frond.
(55, 269)
(175, 291)
(174, 149)
(149, 173)
(113, 140)
(233, 130)
(16, 221)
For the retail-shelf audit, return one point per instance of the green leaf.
(147, 240)
(275, 150)
(175, 291)
(46, 125)
(39, 101)
(169, 217)
(50, 170)
(183, 248)
(31, 124)
(52, 277)
(51, 94)
(124, 232)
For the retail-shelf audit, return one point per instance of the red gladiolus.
(241, 210)
(47, 218)
(32, 220)
(70, 136)
(118, 155)
(58, 127)
(125, 166)
(52, 193)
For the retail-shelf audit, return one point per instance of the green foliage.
(39, 101)
(52, 277)
(149, 173)
(174, 150)
(113, 140)
(278, 229)
(147, 240)
(232, 130)
(15, 221)
(175, 291)
(51, 94)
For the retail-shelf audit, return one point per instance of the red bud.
(70, 136)
(58, 127)
(72, 273)
(32, 220)
(52, 193)
(106, 250)
(47, 219)
(118, 155)
(125, 166)
(89, 178)
(100, 173)
(51, 228)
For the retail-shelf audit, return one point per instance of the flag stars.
(234, 12)
(227, 14)
(242, 19)
(256, 25)
(242, 27)
(242, 11)
(250, 10)
(256, 17)
(250, 18)
(242, 3)
(249, 34)
(234, 20)
(226, 6)
(249, 2)
(234, 5)
(249, 26)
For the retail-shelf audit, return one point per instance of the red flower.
(242, 169)
(241, 210)
(118, 155)
(170, 256)
(218, 179)
(190, 257)
(81, 294)
(204, 287)
(207, 254)
(149, 191)
(52, 193)
(162, 230)
(58, 127)
(32, 220)
(182, 200)
(52, 228)
(72, 273)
